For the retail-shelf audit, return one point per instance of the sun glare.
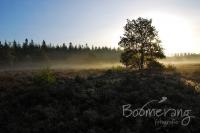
(175, 32)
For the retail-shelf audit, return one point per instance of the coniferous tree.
(71, 46)
(25, 44)
(44, 46)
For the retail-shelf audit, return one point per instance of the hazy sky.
(100, 22)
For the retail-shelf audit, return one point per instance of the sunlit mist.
(176, 32)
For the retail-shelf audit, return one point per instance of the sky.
(100, 22)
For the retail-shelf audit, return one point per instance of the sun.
(175, 32)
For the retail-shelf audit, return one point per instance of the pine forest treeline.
(29, 53)
(13, 53)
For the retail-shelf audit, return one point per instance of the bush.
(45, 77)
(155, 65)
(117, 69)
(170, 67)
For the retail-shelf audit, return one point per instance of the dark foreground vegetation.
(91, 101)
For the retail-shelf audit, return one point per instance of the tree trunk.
(142, 57)
(142, 60)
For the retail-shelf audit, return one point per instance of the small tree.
(44, 46)
(71, 47)
(25, 44)
(141, 43)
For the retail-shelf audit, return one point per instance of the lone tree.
(140, 43)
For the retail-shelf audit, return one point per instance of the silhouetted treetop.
(141, 43)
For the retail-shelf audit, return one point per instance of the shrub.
(117, 69)
(44, 77)
(155, 65)
(170, 67)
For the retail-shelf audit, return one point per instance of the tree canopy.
(141, 43)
